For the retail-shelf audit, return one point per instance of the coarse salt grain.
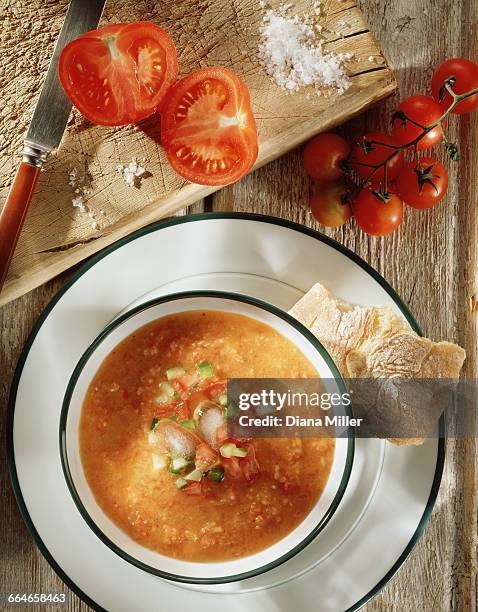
(79, 203)
(73, 177)
(80, 185)
(292, 54)
(132, 173)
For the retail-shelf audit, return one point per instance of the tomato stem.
(457, 98)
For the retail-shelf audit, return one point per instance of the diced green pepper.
(188, 424)
(154, 424)
(216, 474)
(176, 372)
(231, 450)
(181, 483)
(205, 369)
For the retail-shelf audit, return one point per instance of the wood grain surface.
(431, 261)
(206, 32)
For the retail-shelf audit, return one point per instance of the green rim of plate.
(220, 295)
(194, 219)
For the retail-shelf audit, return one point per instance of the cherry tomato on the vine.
(425, 111)
(328, 206)
(376, 217)
(369, 152)
(466, 75)
(323, 155)
(423, 183)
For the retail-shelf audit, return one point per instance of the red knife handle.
(14, 212)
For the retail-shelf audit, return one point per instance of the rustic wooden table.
(431, 261)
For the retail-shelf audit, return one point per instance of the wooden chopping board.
(206, 32)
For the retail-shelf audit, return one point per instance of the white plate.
(392, 489)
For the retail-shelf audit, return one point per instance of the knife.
(45, 132)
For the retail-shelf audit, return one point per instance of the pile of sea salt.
(291, 51)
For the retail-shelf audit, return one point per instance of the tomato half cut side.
(119, 74)
(207, 127)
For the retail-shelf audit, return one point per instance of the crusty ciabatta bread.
(373, 342)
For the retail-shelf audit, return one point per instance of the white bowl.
(114, 537)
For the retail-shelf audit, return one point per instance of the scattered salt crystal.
(81, 188)
(293, 55)
(132, 172)
(371, 58)
(79, 203)
(73, 177)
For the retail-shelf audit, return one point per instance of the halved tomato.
(207, 127)
(119, 74)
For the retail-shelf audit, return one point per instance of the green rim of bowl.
(220, 296)
(198, 218)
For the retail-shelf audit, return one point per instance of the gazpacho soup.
(155, 448)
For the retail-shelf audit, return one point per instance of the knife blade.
(46, 130)
(53, 107)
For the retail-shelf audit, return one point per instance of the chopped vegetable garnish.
(158, 461)
(181, 483)
(217, 474)
(231, 450)
(205, 369)
(221, 434)
(176, 372)
(195, 475)
(196, 447)
(167, 389)
(184, 384)
(188, 424)
(214, 390)
(166, 393)
(205, 457)
(177, 465)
